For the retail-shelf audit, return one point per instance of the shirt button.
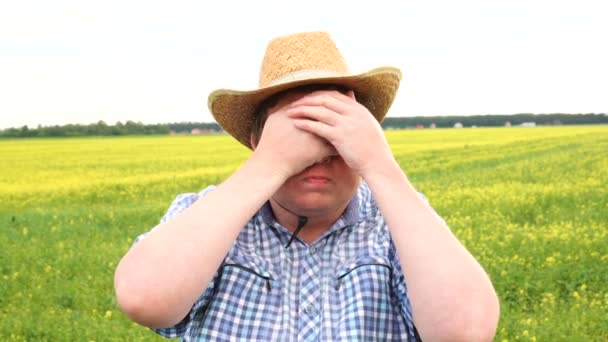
(310, 309)
(312, 250)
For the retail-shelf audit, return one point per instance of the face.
(321, 189)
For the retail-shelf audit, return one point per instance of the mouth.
(318, 180)
(317, 172)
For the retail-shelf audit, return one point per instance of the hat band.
(305, 74)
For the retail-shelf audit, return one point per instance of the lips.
(316, 180)
(318, 172)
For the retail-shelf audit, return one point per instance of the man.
(293, 246)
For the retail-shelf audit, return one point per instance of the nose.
(325, 160)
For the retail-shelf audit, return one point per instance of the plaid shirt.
(348, 285)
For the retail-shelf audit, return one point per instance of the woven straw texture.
(300, 59)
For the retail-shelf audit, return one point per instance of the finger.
(317, 113)
(333, 101)
(317, 128)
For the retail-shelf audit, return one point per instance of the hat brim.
(234, 110)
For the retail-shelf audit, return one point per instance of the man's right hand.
(290, 149)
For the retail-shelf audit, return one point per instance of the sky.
(156, 61)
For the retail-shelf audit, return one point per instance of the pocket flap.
(365, 260)
(250, 262)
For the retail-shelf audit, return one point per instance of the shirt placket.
(310, 295)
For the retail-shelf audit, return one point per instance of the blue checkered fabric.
(346, 286)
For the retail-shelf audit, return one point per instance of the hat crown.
(289, 55)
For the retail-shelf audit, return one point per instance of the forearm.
(160, 278)
(452, 297)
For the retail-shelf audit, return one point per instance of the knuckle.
(325, 100)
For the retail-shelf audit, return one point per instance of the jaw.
(309, 204)
(327, 203)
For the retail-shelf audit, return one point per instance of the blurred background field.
(530, 203)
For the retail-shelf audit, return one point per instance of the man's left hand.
(347, 125)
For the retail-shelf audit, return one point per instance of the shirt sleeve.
(180, 203)
(400, 289)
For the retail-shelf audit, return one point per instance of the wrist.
(381, 168)
(390, 178)
(270, 166)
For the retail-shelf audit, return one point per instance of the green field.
(530, 203)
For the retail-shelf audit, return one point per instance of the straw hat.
(295, 60)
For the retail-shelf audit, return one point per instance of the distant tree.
(138, 128)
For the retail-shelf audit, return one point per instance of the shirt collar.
(350, 216)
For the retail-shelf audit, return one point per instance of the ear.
(252, 142)
(351, 94)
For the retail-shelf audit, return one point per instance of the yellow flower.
(108, 314)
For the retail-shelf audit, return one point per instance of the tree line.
(103, 129)
(495, 120)
(137, 128)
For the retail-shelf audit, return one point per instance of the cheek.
(289, 188)
(349, 181)
(352, 182)
(347, 174)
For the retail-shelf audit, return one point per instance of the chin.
(314, 202)
(319, 203)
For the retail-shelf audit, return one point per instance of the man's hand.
(289, 148)
(347, 125)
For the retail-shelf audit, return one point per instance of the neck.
(318, 221)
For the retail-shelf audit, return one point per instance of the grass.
(530, 203)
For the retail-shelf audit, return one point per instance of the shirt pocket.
(363, 268)
(244, 305)
(365, 303)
